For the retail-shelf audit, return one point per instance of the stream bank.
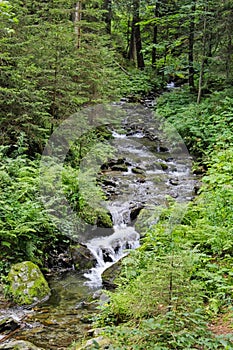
(145, 171)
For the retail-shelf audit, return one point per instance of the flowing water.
(149, 174)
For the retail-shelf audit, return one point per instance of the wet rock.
(162, 165)
(19, 345)
(107, 255)
(64, 260)
(82, 258)
(163, 149)
(124, 100)
(138, 170)
(112, 162)
(169, 159)
(135, 211)
(141, 179)
(27, 284)
(110, 274)
(109, 182)
(173, 168)
(104, 218)
(119, 167)
(174, 182)
(173, 194)
(8, 324)
(133, 132)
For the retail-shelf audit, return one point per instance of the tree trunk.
(191, 46)
(135, 48)
(155, 36)
(132, 49)
(229, 46)
(77, 21)
(203, 60)
(108, 15)
(229, 58)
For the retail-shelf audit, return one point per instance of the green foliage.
(7, 17)
(204, 126)
(44, 76)
(80, 175)
(25, 230)
(181, 277)
(138, 83)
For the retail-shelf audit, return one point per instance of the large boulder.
(147, 218)
(27, 284)
(82, 257)
(110, 275)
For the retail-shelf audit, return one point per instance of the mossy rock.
(27, 284)
(104, 219)
(111, 274)
(162, 165)
(19, 345)
(97, 216)
(146, 218)
(95, 343)
(119, 167)
(82, 258)
(138, 170)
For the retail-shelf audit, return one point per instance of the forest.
(61, 57)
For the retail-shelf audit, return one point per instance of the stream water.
(145, 172)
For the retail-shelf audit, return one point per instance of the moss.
(104, 219)
(27, 284)
(138, 170)
(162, 165)
(97, 216)
(147, 218)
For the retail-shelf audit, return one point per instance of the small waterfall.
(120, 213)
(108, 250)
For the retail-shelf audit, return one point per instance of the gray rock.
(95, 343)
(174, 182)
(135, 210)
(82, 258)
(110, 274)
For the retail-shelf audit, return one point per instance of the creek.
(146, 170)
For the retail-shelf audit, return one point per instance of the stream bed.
(145, 171)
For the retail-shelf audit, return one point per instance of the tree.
(155, 34)
(191, 46)
(77, 21)
(135, 48)
(107, 6)
(47, 72)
